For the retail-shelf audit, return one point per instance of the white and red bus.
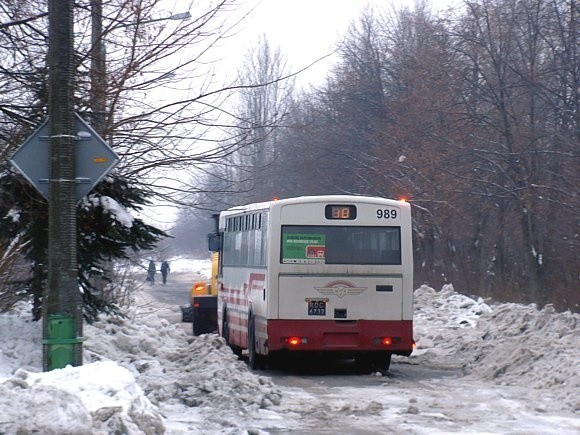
(330, 274)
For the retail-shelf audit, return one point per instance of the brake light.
(386, 341)
(295, 341)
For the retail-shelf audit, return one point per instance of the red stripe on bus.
(362, 335)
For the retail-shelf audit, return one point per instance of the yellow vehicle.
(203, 302)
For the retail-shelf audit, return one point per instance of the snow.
(119, 213)
(193, 266)
(14, 215)
(478, 368)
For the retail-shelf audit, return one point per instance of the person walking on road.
(165, 271)
(151, 273)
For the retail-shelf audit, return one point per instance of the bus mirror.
(213, 242)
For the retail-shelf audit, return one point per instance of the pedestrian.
(165, 271)
(151, 273)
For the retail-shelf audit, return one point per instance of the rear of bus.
(341, 278)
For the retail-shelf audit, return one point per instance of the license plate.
(316, 307)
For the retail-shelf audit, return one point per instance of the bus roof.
(307, 199)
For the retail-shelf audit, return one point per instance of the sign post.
(52, 159)
(36, 160)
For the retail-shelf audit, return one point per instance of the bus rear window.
(306, 244)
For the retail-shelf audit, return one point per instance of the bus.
(316, 274)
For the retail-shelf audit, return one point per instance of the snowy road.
(175, 291)
(499, 369)
(414, 398)
(428, 393)
(172, 295)
(478, 368)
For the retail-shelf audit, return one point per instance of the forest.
(474, 118)
(472, 115)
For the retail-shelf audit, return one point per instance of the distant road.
(171, 296)
(175, 292)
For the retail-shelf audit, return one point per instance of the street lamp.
(183, 16)
(98, 74)
(98, 71)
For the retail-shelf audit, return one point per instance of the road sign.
(94, 158)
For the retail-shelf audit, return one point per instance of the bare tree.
(519, 139)
(263, 101)
(158, 102)
(254, 170)
(473, 118)
(144, 83)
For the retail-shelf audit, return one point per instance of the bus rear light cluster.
(199, 288)
(294, 341)
(387, 341)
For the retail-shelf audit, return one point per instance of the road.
(418, 396)
(172, 295)
(175, 292)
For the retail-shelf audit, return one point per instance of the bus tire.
(378, 362)
(255, 360)
(226, 335)
(225, 327)
(384, 363)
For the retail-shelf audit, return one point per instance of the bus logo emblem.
(340, 289)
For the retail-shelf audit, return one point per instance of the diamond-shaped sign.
(93, 160)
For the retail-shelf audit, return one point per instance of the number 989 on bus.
(387, 213)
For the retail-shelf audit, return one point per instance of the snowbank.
(171, 365)
(521, 345)
(132, 368)
(96, 398)
(145, 375)
(509, 344)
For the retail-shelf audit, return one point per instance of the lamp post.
(98, 77)
(98, 73)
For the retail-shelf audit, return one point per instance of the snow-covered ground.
(478, 368)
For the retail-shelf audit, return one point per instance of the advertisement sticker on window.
(304, 248)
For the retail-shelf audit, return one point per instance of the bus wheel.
(226, 335)
(374, 363)
(384, 363)
(225, 328)
(255, 360)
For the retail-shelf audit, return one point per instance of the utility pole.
(62, 308)
(98, 99)
(98, 69)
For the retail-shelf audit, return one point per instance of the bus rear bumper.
(393, 336)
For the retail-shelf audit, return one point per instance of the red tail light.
(386, 341)
(295, 341)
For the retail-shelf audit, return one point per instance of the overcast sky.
(306, 30)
